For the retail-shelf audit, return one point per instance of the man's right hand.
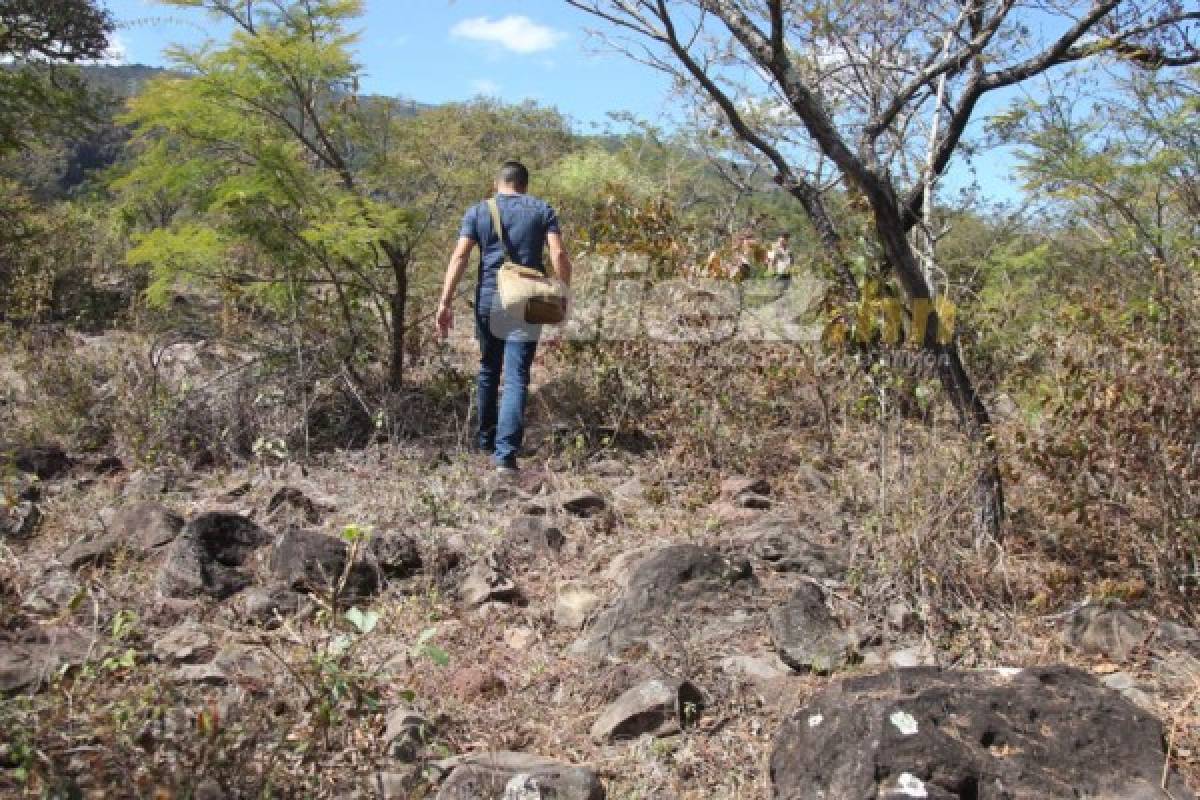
(445, 321)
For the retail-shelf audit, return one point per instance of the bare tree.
(885, 90)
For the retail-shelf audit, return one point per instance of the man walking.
(505, 348)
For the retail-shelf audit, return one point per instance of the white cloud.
(517, 33)
(486, 87)
(116, 54)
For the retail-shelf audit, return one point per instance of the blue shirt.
(526, 220)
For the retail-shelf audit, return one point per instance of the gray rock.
(1113, 632)
(393, 785)
(487, 581)
(487, 776)
(45, 461)
(200, 675)
(900, 618)
(58, 587)
(290, 506)
(267, 605)
(806, 635)
(1050, 733)
(310, 561)
(673, 592)
(93, 551)
(756, 669)
(657, 707)
(916, 656)
(407, 734)
(206, 557)
(37, 657)
(20, 520)
(396, 554)
(534, 535)
(186, 643)
(581, 503)
(573, 606)
(752, 501)
(788, 544)
(146, 526)
(736, 487)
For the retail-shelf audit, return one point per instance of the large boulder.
(658, 707)
(207, 556)
(668, 593)
(806, 635)
(1035, 734)
(140, 528)
(505, 776)
(311, 561)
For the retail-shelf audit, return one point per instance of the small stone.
(94, 551)
(55, 592)
(733, 488)
(182, 644)
(755, 502)
(489, 775)
(396, 554)
(407, 734)
(658, 707)
(916, 656)
(900, 618)
(1120, 681)
(806, 635)
(573, 606)
(486, 581)
(265, 606)
(534, 535)
(582, 503)
(519, 638)
(19, 521)
(756, 669)
(202, 674)
(393, 786)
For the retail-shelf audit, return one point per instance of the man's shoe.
(507, 468)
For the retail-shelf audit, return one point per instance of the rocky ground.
(400, 622)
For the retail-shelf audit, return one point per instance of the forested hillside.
(914, 512)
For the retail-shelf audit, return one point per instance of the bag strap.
(498, 227)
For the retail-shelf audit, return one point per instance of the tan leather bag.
(526, 293)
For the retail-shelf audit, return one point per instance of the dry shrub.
(1116, 457)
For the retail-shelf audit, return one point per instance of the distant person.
(779, 259)
(530, 225)
(742, 263)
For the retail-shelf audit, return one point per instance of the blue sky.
(436, 51)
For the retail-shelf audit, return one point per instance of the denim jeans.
(502, 415)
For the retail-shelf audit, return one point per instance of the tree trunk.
(972, 413)
(397, 305)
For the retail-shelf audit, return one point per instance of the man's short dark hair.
(514, 174)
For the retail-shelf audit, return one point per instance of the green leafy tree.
(250, 169)
(37, 94)
(263, 173)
